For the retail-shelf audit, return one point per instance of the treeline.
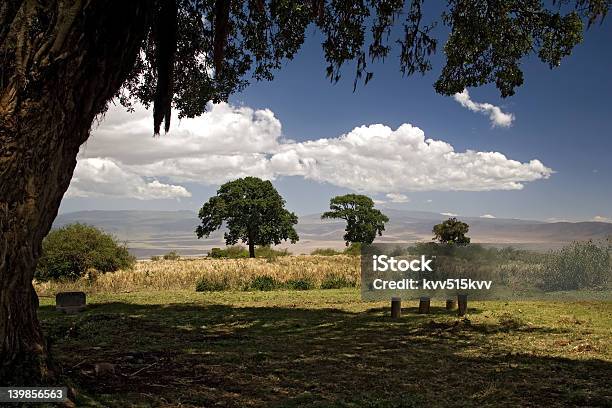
(579, 265)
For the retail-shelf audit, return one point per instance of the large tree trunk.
(63, 61)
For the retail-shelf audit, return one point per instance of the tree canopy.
(204, 50)
(451, 231)
(254, 213)
(363, 221)
(68, 252)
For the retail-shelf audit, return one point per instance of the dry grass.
(235, 274)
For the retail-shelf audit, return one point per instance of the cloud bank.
(398, 198)
(231, 141)
(496, 116)
(99, 177)
(601, 218)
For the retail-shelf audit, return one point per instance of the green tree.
(253, 212)
(63, 62)
(451, 231)
(363, 221)
(68, 252)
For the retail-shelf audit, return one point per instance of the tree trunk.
(251, 249)
(62, 63)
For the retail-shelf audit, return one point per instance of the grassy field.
(326, 348)
(236, 274)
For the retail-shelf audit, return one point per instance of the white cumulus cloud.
(449, 214)
(488, 216)
(96, 177)
(398, 198)
(601, 218)
(236, 141)
(496, 116)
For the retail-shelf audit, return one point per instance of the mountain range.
(150, 233)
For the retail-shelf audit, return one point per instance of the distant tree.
(253, 211)
(171, 256)
(451, 231)
(363, 221)
(68, 252)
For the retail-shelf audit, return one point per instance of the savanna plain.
(293, 331)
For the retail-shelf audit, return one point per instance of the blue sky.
(562, 118)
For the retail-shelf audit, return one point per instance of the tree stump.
(70, 302)
(424, 303)
(462, 303)
(450, 304)
(396, 307)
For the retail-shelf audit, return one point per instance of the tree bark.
(63, 61)
(251, 249)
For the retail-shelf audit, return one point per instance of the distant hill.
(157, 232)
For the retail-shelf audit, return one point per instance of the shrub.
(354, 249)
(208, 284)
(68, 252)
(231, 252)
(270, 253)
(264, 283)
(172, 256)
(238, 252)
(300, 284)
(334, 281)
(325, 252)
(580, 265)
(155, 258)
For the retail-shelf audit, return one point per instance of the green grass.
(326, 348)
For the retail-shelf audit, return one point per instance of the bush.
(325, 252)
(68, 252)
(354, 249)
(264, 283)
(333, 281)
(172, 256)
(580, 265)
(207, 284)
(155, 258)
(269, 253)
(238, 251)
(231, 252)
(300, 284)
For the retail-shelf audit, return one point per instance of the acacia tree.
(451, 231)
(253, 212)
(64, 60)
(363, 221)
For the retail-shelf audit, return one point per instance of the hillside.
(156, 232)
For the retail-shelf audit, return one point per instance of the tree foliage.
(68, 252)
(253, 211)
(451, 231)
(363, 221)
(204, 50)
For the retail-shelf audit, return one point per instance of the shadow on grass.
(204, 355)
